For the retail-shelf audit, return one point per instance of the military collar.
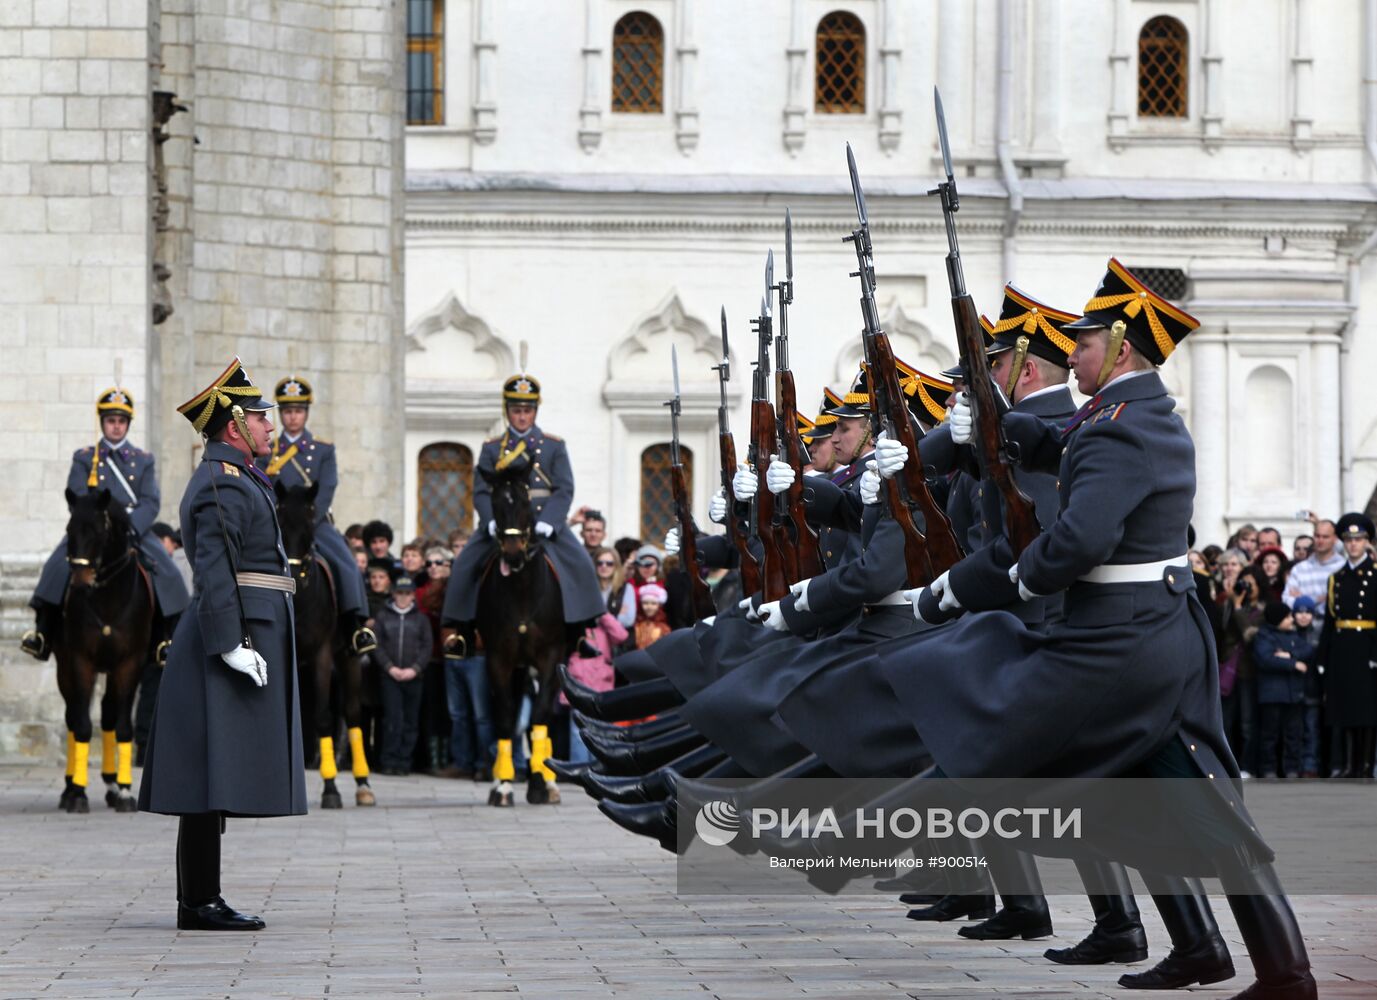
(1147, 385)
(124, 449)
(1355, 566)
(512, 432)
(227, 454)
(1047, 402)
(303, 438)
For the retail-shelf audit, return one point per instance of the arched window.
(444, 489)
(425, 80)
(1163, 69)
(638, 65)
(657, 490)
(839, 87)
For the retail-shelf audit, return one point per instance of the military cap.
(1354, 524)
(805, 426)
(214, 406)
(521, 389)
(826, 421)
(115, 400)
(1131, 310)
(927, 397)
(294, 391)
(856, 402)
(1031, 327)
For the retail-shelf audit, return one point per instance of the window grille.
(657, 490)
(638, 65)
(444, 490)
(1163, 47)
(1169, 282)
(840, 83)
(425, 82)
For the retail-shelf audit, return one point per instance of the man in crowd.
(593, 527)
(1310, 578)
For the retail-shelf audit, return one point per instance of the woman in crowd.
(1230, 564)
(618, 595)
(648, 560)
(1273, 565)
(592, 663)
(1242, 617)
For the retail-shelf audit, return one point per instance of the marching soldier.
(129, 475)
(523, 445)
(226, 737)
(1348, 648)
(299, 458)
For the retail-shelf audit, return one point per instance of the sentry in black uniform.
(226, 736)
(1347, 652)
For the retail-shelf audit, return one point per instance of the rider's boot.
(363, 640)
(38, 641)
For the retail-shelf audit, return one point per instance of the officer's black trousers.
(198, 858)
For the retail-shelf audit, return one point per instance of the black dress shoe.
(215, 916)
(1027, 923)
(1177, 971)
(575, 774)
(631, 702)
(643, 756)
(921, 898)
(956, 908)
(1100, 948)
(656, 820)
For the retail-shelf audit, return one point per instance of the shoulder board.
(554, 437)
(496, 440)
(1108, 413)
(87, 450)
(229, 468)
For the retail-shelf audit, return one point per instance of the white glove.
(913, 596)
(247, 661)
(890, 456)
(1023, 592)
(745, 605)
(772, 617)
(672, 542)
(946, 598)
(961, 419)
(743, 483)
(717, 507)
(544, 529)
(800, 592)
(870, 484)
(779, 476)
(492, 528)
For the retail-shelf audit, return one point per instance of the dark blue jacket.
(1276, 654)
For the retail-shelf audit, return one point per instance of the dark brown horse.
(521, 620)
(322, 649)
(107, 619)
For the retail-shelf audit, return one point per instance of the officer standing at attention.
(523, 445)
(226, 736)
(1346, 649)
(128, 474)
(299, 458)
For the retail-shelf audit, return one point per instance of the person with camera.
(1242, 606)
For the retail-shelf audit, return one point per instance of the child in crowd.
(1303, 612)
(404, 646)
(379, 587)
(651, 623)
(1283, 657)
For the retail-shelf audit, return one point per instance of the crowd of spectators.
(1267, 605)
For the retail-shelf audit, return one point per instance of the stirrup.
(160, 654)
(35, 644)
(456, 647)
(364, 641)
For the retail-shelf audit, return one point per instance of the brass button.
(1211, 777)
(1192, 748)
(1171, 578)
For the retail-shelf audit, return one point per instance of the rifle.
(925, 558)
(701, 595)
(738, 530)
(773, 570)
(993, 454)
(790, 517)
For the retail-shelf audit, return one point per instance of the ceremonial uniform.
(551, 481)
(128, 473)
(1347, 653)
(222, 743)
(308, 461)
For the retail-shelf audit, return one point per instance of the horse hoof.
(331, 800)
(112, 799)
(126, 805)
(64, 802)
(499, 798)
(80, 804)
(536, 793)
(552, 794)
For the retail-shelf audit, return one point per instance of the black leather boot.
(199, 904)
(956, 908)
(1118, 934)
(645, 756)
(639, 738)
(38, 641)
(1024, 913)
(1367, 741)
(657, 820)
(1271, 935)
(658, 784)
(630, 702)
(1198, 953)
(1350, 761)
(662, 723)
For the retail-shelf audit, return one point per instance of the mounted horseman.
(299, 458)
(526, 451)
(129, 474)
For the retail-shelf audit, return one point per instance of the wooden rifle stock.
(775, 571)
(802, 540)
(737, 532)
(700, 593)
(1020, 516)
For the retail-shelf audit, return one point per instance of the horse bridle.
(97, 565)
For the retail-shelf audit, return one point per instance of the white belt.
(1150, 572)
(892, 599)
(266, 581)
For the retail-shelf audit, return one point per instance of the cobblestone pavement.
(435, 894)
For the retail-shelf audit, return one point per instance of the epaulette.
(321, 441)
(229, 468)
(554, 437)
(496, 440)
(87, 450)
(1108, 413)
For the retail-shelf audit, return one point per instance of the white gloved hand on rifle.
(870, 484)
(890, 456)
(717, 507)
(961, 419)
(779, 476)
(743, 483)
(672, 542)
